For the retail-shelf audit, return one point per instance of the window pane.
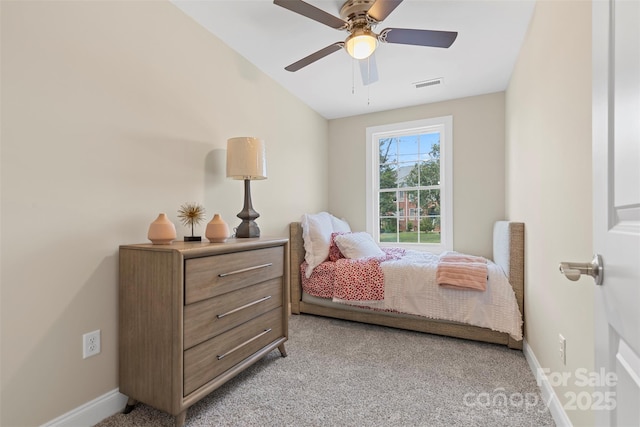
(430, 168)
(430, 236)
(388, 176)
(430, 173)
(408, 174)
(412, 201)
(388, 230)
(388, 150)
(430, 216)
(408, 231)
(430, 230)
(388, 206)
(430, 146)
(408, 148)
(430, 202)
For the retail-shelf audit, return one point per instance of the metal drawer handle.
(220, 316)
(222, 356)
(245, 269)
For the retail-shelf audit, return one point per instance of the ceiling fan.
(358, 17)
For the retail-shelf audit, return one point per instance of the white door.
(616, 197)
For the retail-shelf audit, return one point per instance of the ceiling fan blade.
(314, 57)
(418, 37)
(312, 12)
(382, 8)
(369, 70)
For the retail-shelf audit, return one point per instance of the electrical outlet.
(91, 344)
(563, 349)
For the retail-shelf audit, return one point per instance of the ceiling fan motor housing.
(355, 13)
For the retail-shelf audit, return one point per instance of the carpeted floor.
(340, 373)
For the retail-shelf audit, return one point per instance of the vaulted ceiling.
(490, 33)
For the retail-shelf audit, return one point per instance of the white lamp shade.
(246, 158)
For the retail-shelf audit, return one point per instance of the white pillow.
(316, 233)
(358, 245)
(340, 225)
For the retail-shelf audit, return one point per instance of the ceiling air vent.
(432, 82)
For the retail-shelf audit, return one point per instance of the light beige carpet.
(341, 373)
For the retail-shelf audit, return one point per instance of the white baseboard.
(548, 394)
(91, 413)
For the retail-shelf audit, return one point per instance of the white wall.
(549, 184)
(478, 165)
(111, 113)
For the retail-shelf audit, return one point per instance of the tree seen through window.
(409, 190)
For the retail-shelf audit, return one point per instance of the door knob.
(573, 270)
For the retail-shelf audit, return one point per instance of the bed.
(508, 254)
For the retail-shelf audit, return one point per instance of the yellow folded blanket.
(461, 271)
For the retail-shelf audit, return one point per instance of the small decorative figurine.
(191, 214)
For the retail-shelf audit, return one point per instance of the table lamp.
(246, 160)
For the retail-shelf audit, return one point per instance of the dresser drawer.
(216, 275)
(206, 361)
(208, 318)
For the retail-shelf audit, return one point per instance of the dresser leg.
(131, 403)
(283, 351)
(181, 418)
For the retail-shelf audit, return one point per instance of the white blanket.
(410, 287)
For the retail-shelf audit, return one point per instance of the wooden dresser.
(194, 314)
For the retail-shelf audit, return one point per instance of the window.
(409, 184)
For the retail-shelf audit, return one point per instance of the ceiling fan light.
(361, 44)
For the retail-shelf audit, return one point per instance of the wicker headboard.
(508, 252)
(296, 253)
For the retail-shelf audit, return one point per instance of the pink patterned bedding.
(347, 279)
(322, 280)
(359, 280)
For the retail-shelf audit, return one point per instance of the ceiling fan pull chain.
(368, 80)
(353, 77)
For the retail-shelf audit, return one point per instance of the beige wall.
(478, 165)
(549, 183)
(111, 113)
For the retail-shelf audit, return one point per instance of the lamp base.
(248, 227)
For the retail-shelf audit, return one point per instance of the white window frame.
(444, 125)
